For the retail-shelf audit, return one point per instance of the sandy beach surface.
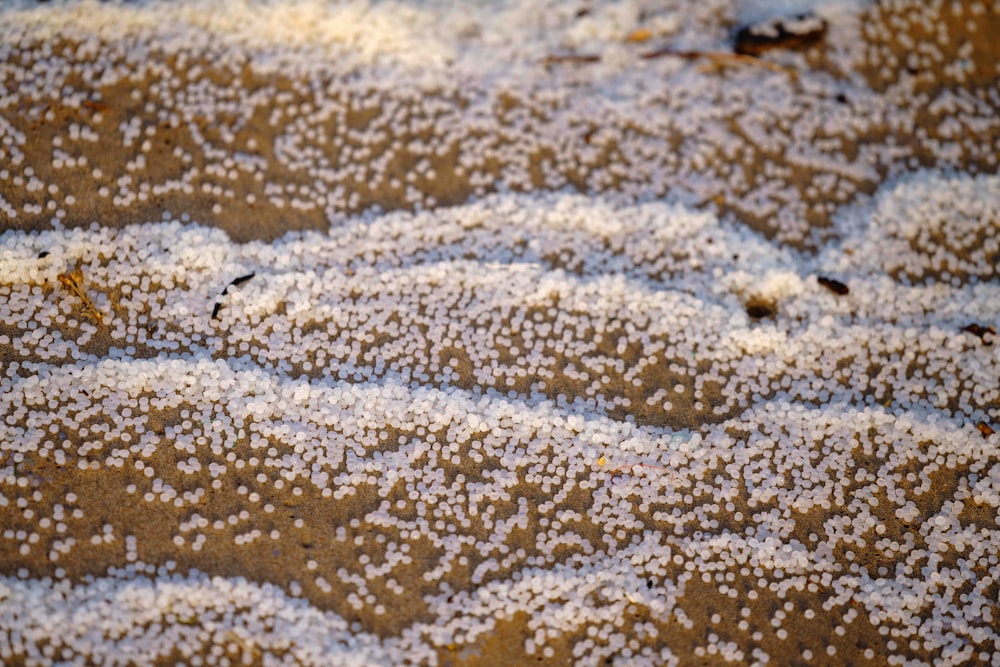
(382, 333)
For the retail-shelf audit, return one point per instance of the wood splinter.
(73, 281)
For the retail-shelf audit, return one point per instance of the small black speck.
(42, 254)
(757, 310)
(235, 282)
(833, 285)
(242, 279)
(215, 310)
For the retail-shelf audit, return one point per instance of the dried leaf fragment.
(73, 281)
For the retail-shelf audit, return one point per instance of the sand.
(715, 597)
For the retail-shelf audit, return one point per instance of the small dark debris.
(834, 286)
(235, 282)
(842, 98)
(758, 309)
(94, 105)
(981, 331)
(238, 281)
(572, 58)
(985, 429)
(43, 254)
(242, 279)
(795, 32)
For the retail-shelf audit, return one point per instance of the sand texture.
(516, 334)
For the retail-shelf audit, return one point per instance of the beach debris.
(235, 282)
(94, 105)
(238, 281)
(758, 308)
(834, 286)
(795, 32)
(985, 429)
(73, 281)
(981, 332)
(572, 58)
(639, 35)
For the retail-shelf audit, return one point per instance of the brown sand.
(103, 499)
